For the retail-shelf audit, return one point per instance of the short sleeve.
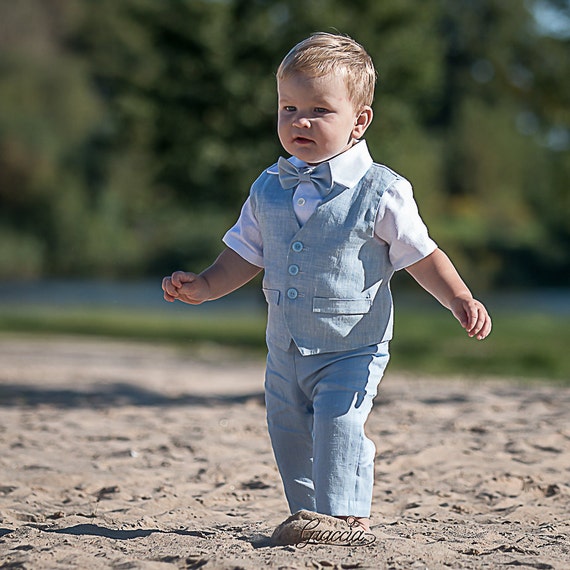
(400, 226)
(245, 238)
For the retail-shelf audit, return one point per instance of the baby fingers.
(170, 291)
(479, 324)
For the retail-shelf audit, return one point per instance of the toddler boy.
(329, 227)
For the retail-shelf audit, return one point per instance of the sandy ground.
(118, 455)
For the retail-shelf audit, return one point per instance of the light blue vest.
(326, 283)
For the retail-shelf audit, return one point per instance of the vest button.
(297, 246)
(293, 269)
(292, 293)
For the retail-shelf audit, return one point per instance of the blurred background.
(131, 130)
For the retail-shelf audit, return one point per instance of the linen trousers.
(317, 406)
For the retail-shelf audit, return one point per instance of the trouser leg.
(290, 426)
(343, 456)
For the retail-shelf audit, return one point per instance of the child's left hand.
(473, 316)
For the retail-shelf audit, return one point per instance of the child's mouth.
(302, 140)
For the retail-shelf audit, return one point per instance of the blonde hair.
(323, 53)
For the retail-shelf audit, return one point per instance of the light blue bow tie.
(320, 175)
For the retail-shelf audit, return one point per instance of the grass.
(428, 342)
(526, 346)
(241, 331)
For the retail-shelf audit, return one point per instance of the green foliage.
(532, 346)
(242, 332)
(131, 131)
(520, 346)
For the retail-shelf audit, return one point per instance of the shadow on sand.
(112, 395)
(257, 540)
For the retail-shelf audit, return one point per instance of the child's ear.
(363, 120)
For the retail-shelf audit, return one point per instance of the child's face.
(316, 119)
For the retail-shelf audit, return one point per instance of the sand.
(127, 455)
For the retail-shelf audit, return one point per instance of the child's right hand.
(186, 287)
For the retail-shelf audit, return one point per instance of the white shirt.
(398, 222)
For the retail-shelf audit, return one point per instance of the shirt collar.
(348, 167)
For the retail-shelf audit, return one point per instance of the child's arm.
(437, 275)
(229, 272)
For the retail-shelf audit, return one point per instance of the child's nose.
(302, 122)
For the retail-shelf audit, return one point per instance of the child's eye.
(289, 108)
(320, 110)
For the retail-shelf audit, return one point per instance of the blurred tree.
(191, 86)
(506, 88)
(46, 110)
(178, 85)
(131, 131)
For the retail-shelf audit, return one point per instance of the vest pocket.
(272, 296)
(341, 306)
